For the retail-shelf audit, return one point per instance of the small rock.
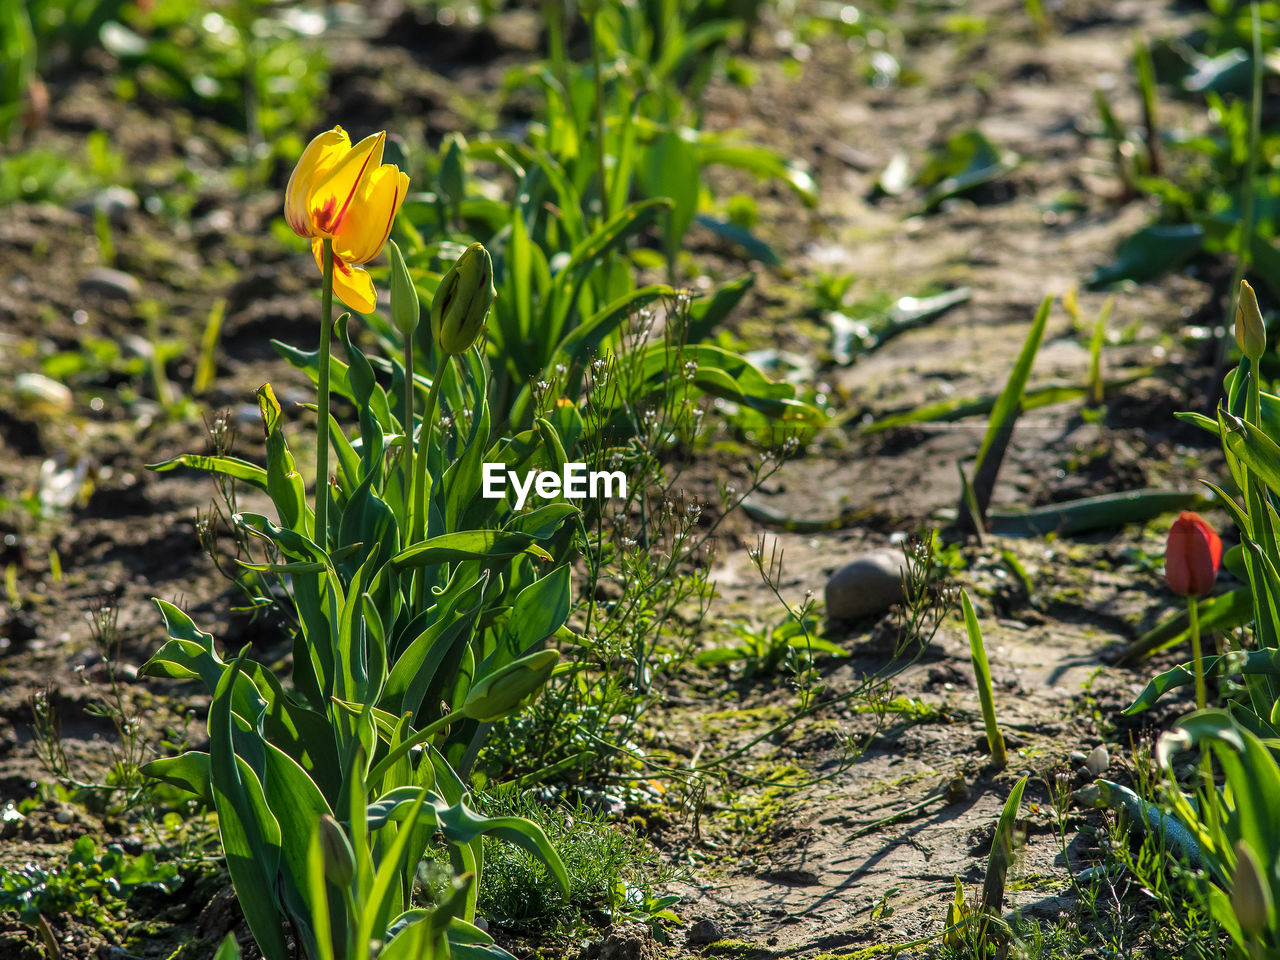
(63, 817)
(957, 790)
(704, 931)
(115, 201)
(41, 396)
(219, 915)
(214, 226)
(1076, 758)
(10, 820)
(628, 941)
(1098, 761)
(868, 585)
(114, 284)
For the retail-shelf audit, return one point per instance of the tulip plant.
(1235, 828)
(421, 611)
(613, 154)
(1234, 825)
(1248, 424)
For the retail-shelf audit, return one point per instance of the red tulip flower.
(1192, 556)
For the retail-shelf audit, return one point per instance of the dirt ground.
(776, 871)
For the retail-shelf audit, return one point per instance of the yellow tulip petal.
(332, 195)
(354, 287)
(321, 156)
(368, 222)
(351, 284)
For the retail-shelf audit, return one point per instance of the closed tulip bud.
(453, 169)
(504, 691)
(404, 296)
(1192, 556)
(1251, 332)
(462, 301)
(1250, 892)
(339, 859)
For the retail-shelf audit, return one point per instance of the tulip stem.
(420, 498)
(1253, 412)
(322, 421)
(407, 428)
(1193, 614)
(402, 748)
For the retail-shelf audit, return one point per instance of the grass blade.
(1004, 415)
(982, 673)
(1002, 850)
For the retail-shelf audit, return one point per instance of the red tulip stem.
(1194, 615)
(322, 420)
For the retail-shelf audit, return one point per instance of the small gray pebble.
(115, 284)
(866, 586)
(1098, 761)
(115, 201)
(704, 931)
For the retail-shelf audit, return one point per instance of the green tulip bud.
(1250, 892)
(462, 301)
(453, 169)
(506, 690)
(1251, 332)
(404, 296)
(339, 859)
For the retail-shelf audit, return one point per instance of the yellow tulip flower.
(346, 194)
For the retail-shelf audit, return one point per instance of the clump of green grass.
(613, 872)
